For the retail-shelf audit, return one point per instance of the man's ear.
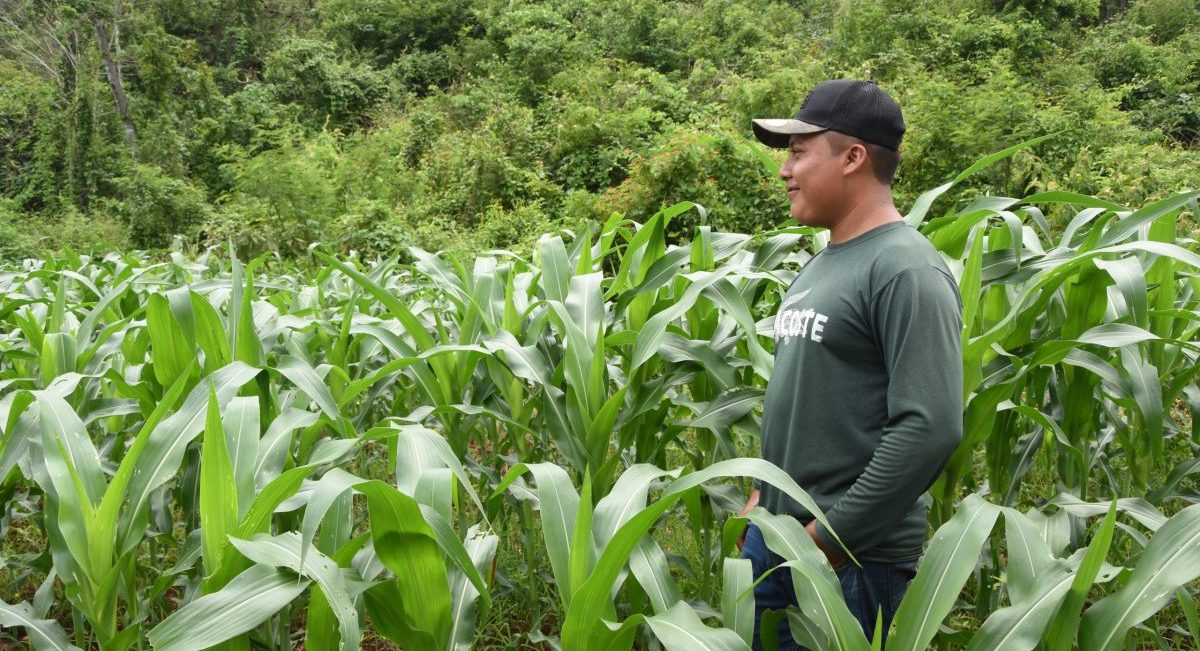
(855, 159)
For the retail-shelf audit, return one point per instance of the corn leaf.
(45, 634)
(250, 599)
(948, 561)
(1172, 559)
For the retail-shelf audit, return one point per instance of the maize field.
(199, 453)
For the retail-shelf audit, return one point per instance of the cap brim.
(778, 133)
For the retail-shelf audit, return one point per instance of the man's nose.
(785, 171)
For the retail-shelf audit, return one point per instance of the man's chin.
(804, 220)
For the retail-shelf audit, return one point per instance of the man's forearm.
(902, 468)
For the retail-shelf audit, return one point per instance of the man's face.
(813, 178)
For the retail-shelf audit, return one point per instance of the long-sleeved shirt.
(864, 405)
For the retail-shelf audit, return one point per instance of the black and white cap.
(855, 108)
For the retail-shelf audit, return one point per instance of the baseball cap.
(855, 108)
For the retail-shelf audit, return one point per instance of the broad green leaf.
(559, 504)
(389, 617)
(326, 491)
(625, 499)
(249, 600)
(58, 356)
(1019, 626)
(103, 535)
(680, 629)
(45, 634)
(1072, 198)
(257, 520)
(678, 349)
(921, 206)
(164, 449)
(582, 556)
(725, 296)
(727, 409)
(218, 489)
(306, 378)
(1135, 507)
(1116, 335)
(592, 601)
(1125, 227)
(241, 425)
(284, 551)
(948, 561)
(210, 333)
(1130, 280)
(650, 338)
(274, 446)
(818, 590)
(66, 427)
(578, 362)
(172, 352)
(1172, 559)
(1065, 626)
(408, 548)
(1028, 556)
(525, 362)
(556, 270)
(72, 512)
(481, 549)
(649, 566)
(438, 445)
(737, 597)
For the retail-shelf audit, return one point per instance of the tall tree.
(108, 38)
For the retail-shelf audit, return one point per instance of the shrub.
(27, 171)
(527, 45)
(388, 29)
(717, 170)
(1158, 84)
(372, 228)
(599, 114)
(1167, 19)
(515, 229)
(15, 242)
(648, 32)
(313, 75)
(283, 198)
(156, 206)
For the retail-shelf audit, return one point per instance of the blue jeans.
(876, 585)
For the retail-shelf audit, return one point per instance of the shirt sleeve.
(917, 320)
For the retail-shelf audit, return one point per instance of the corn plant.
(211, 454)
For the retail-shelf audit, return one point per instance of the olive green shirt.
(864, 405)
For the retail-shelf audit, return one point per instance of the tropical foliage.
(536, 447)
(373, 125)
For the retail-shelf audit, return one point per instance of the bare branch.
(17, 47)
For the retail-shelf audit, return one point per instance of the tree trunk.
(113, 71)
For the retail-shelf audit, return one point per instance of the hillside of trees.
(468, 124)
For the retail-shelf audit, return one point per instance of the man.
(865, 402)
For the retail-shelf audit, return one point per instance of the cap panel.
(778, 133)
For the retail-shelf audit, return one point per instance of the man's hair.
(884, 161)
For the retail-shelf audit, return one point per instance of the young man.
(865, 403)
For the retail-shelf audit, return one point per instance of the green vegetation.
(446, 453)
(371, 125)
(539, 436)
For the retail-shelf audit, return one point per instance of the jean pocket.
(755, 550)
(899, 576)
(848, 574)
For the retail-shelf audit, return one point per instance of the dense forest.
(468, 124)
